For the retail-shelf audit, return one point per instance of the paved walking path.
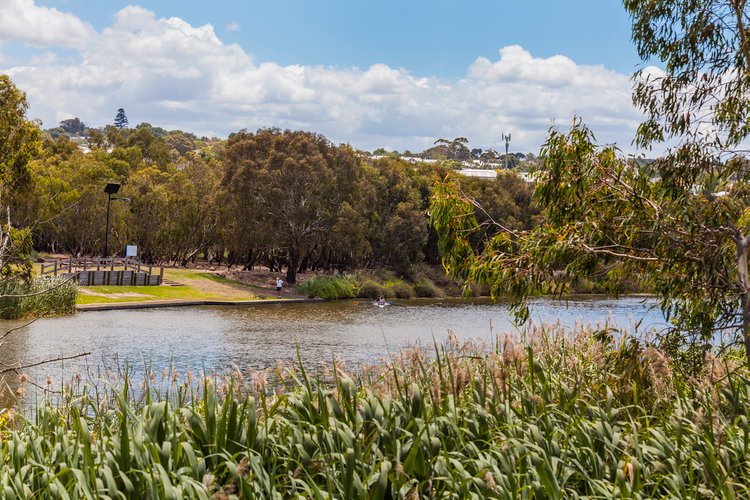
(150, 304)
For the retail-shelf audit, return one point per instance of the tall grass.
(329, 287)
(549, 415)
(40, 297)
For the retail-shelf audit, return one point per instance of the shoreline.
(154, 304)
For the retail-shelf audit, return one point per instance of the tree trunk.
(291, 271)
(743, 244)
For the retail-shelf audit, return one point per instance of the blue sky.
(436, 37)
(393, 74)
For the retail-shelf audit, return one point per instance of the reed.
(329, 287)
(547, 414)
(40, 297)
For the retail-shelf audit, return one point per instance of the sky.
(393, 74)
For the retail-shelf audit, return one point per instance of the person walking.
(279, 284)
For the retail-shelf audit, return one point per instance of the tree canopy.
(681, 223)
(19, 143)
(121, 120)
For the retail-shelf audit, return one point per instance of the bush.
(372, 290)
(329, 287)
(400, 289)
(41, 297)
(426, 288)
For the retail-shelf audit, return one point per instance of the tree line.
(276, 198)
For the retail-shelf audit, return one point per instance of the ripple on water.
(254, 337)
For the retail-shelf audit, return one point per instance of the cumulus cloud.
(24, 21)
(170, 73)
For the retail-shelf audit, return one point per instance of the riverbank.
(183, 287)
(209, 285)
(152, 304)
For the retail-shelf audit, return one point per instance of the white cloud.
(24, 21)
(234, 26)
(170, 73)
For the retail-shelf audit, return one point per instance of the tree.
(701, 101)
(682, 222)
(20, 142)
(121, 120)
(73, 126)
(457, 148)
(286, 188)
(398, 225)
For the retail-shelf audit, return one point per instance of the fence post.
(70, 264)
(161, 275)
(55, 267)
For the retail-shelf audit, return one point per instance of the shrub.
(372, 290)
(426, 288)
(329, 287)
(41, 297)
(400, 289)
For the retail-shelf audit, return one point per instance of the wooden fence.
(92, 271)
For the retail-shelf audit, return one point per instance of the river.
(256, 336)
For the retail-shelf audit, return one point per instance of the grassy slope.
(197, 285)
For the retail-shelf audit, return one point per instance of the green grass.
(177, 274)
(162, 292)
(195, 290)
(554, 415)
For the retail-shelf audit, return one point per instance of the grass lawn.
(197, 285)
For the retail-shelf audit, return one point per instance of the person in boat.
(381, 301)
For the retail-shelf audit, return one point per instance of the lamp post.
(111, 188)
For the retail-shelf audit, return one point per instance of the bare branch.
(8, 332)
(45, 362)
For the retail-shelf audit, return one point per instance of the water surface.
(209, 338)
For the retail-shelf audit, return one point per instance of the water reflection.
(208, 338)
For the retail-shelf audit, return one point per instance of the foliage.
(281, 199)
(399, 289)
(677, 222)
(20, 298)
(329, 287)
(551, 416)
(20, 142)
(286, 188)
(426, 288)
(605, 218)
(19, 137)
(457, 149)
(700, 102)
(73, 126)
(121, 120)
(371, 289)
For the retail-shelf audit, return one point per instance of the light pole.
(111, 188)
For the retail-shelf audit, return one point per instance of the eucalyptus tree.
(20, 142)
(285, 189)
(682, 223)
